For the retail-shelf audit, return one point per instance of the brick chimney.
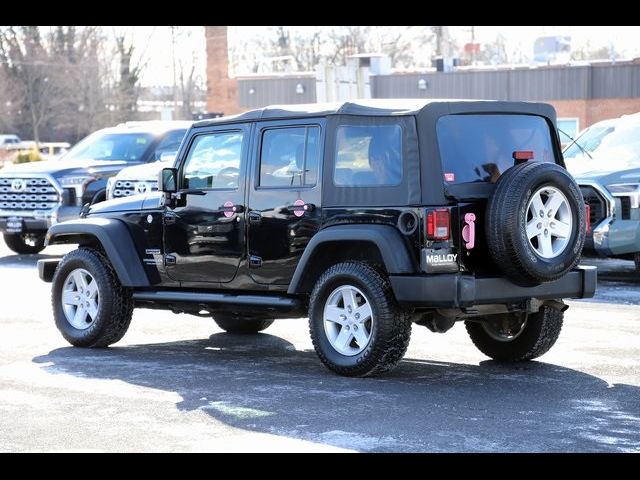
(222, 91)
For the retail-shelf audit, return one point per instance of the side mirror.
(167, 180)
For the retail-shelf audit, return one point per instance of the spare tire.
(535, 223)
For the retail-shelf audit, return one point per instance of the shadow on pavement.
(24, 261)
(261, 383)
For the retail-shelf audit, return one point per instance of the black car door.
(204, 234)
(284, 196)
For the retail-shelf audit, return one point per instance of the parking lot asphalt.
(178, 383)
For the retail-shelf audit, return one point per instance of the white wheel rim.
(549, 222)
(80, 299)
(348, 320)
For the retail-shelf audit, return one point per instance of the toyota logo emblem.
(19, 185)
(142, 187)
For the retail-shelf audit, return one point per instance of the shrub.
(26, 157)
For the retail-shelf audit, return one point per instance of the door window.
(289, 157)
(214, 161)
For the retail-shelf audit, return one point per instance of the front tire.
(25, 243)
(507, 338)
(90, 306)
(356, 326)
(235, 324)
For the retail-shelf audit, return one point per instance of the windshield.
(618, 143)
(130, 147)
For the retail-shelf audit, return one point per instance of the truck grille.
(126, 188)
(27, 194)
(596, 202)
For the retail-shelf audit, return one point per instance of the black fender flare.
(390, 242)
(115, 239)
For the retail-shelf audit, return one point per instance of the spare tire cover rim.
(549, 222)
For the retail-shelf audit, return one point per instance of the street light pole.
(175, 83)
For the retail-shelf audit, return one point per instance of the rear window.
(479, 148)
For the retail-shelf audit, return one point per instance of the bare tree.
(587, 51)
(129, 70)
(52, 82)
(189, 85)
(26, 63)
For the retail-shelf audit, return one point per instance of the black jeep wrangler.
(365, 216)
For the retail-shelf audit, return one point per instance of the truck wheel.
(91, 307)
(511, 338)
(25, 242)
(535, 223)
(356, 326)
(236, 324)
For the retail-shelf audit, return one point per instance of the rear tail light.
(438, 224)
(523, 155)
(587, 216)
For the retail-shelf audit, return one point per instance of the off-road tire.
(539, 335)
(236, 324)
(506, 219)
(115, 306)
(391, 329)
(16, 243)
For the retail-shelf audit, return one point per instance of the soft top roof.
(381, 107)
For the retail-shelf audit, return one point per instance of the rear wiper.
(573, 140)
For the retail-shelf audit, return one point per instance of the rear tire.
(90, 306)
(503, 339)
(356, 325)
(25, 243)
(237, 324)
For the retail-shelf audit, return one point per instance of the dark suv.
(34, 196)
(367, 217)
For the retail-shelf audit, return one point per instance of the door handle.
(299, 208)
(231, 208)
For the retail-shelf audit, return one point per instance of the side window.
(289, 157)
(169, 144)
(214, 161)
(368, 155)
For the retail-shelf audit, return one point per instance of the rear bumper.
(463, 290)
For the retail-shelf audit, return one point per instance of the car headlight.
(110, 182)
(623, 187)
(631, 190)
(76, 180)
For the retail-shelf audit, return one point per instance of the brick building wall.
(590, 111)
(222, 91)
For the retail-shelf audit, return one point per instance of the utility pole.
(175, 83)
(473, 43)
